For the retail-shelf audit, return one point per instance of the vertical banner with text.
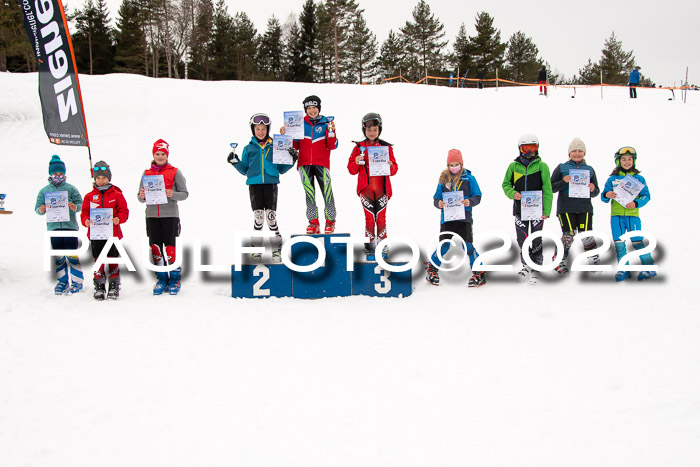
(59, 89)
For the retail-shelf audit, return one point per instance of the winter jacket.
(564, 203)
(316, 147)
(363, 170)
(542, 75)
(468, 186)
(73, 197)
(110, 198)
(256, 164)
(634, 76)
(533, 177)
(174, 180)
(616, 208)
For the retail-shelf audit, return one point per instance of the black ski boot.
(99, 290)
(114, 286)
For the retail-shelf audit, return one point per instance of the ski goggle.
(528, 148)
(258, 119)
(370, 123)
(626, 151)
(100, 167)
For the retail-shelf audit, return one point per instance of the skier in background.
(634, 82)
(543, 80)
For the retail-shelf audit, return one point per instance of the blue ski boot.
(162, 284)
(61, 287)
(621, 251)
(174, 286)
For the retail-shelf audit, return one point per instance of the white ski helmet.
(528, 139)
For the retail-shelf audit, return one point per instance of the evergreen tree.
(462, 57)
(245, 46)
(423, 39)
(362, 50)
(271, 50)
(522, 64)
(486, 46)
(589, 74)
(391, 55)
(92, 41)
(302, 67)
(340, 14)
(615, 63)
(222, 54)
(15, 51)
(325, 54)
(201, 40)
(129, 50)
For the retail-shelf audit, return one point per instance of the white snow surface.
(570, 372)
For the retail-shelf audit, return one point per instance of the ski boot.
(114, 286)
(534, 277)
(644, 275)
(174, 286)
(622, 276)
(313, 227)
(562, 268)
(99, 290)
(369, 254)
(524, 274)
(277, 255)
(477, 280)
(75, 287)
(385, 252)
(61, 287)
(432, 274)
(256, 258)
(330, 227)
(162, 284)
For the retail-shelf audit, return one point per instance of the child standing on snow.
(528, 173)
(456, 178)
(374, 191)
(263, 177)
(68, 271)
(315, 163)
(626, 218)
(163, 220)
(105, 195)
(575, 213)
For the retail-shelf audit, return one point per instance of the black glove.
(232, 158)
(294, 153)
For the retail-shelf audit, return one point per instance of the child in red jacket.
(105, 195)
(374, 190)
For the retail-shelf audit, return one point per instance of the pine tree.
(15, 51)
(391, 56)
(486, 46)
(271, 51)
(615, 63)
(201, 40)
(522, 64)
(340, 13)
(245, 46)
(323, 64)
(302, 67)
(92, 41)
(589, 74)
(129, 38)
(362, 50)
(462, 57)
(222, 54)
(423, 37)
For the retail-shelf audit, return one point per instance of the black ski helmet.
(370, 117)
(258, 119)
(312, 100)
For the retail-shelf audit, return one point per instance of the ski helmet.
(371, 119)
(529, 145)
(258, 119)
(626, 151)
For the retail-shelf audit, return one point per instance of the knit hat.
(102, 168)
(161, 145)
(455, 155)
(56, 165)
(312, 100)
(577, 144)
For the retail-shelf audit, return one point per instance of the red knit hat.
(161, 145)
(455, 155)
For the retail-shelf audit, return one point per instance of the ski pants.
(322, 175)
(374, 205)
(523, 229)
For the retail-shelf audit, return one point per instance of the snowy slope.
(573, 372)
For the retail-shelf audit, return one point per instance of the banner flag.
(59, 89)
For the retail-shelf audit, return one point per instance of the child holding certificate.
(528, 184)
(257, 164)
(108, 197)
(163, 216)
(629, 192)
(374, 190)
(576, 183)
(59, 201)
(458, 183)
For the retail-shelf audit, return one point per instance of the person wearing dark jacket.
(543, 80)
(634, 82)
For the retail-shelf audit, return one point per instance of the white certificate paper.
(627, 190)
(56, 203)
(578, 183)
(294, 124)
(101, 223)
(531, 206)
(280, 149)
(453, 209)
(378, 161)
(154, 189)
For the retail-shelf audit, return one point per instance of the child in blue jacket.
(263, 177)
(626, 218)
(456, 178)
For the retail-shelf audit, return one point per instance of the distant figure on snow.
(634, 82)
(543, 80)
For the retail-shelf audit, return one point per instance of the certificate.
(101, 224)
(280, 149)
(627, 190)
(453, 210)
(531, 206)
(56, 203)
(578, 183)
(294, 124)
(378, 161)
(154, 189)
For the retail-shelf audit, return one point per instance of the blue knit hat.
(56, 165)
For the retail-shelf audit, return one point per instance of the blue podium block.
(331, 279)
(261, 281)
(371, 279)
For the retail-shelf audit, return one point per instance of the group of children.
(311, 154)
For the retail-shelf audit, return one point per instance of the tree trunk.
(168, 52)
(3, 60)
(90, 48)
(335, 42)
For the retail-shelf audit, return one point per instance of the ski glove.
(294, 153)
(232, 158)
